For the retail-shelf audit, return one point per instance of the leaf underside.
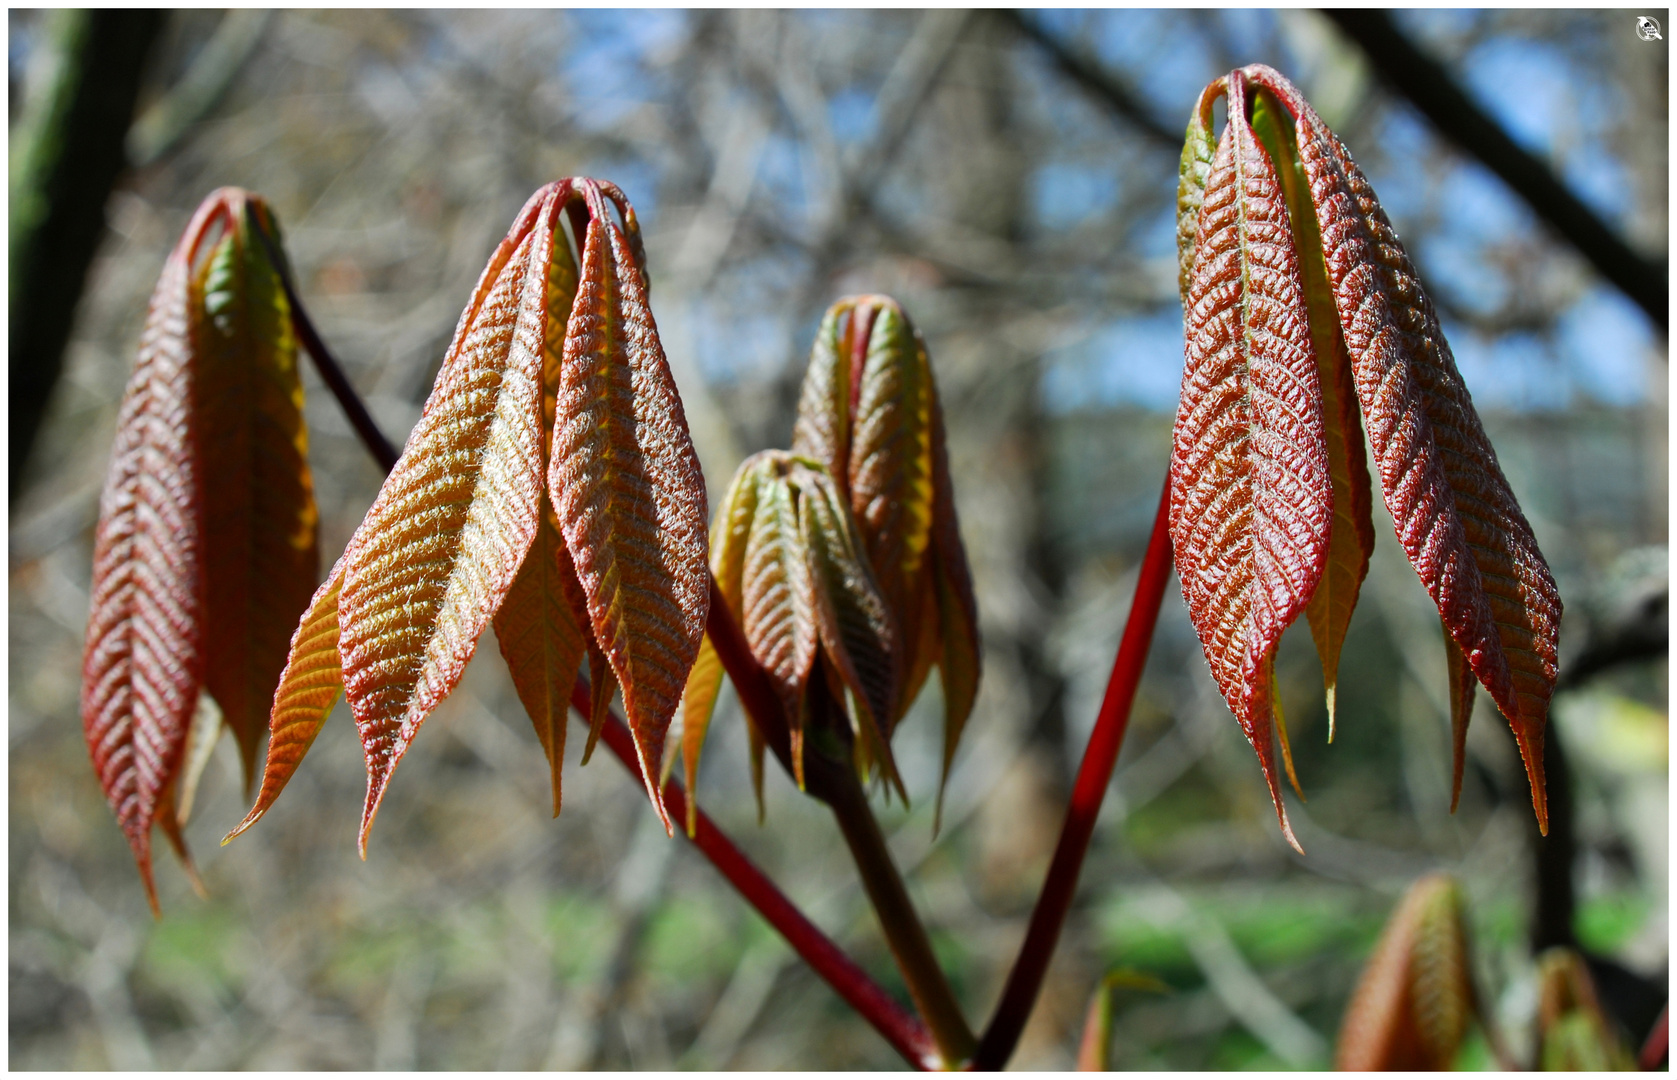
(142, 662)
(308, 687)
(261, 553)
(442, 543)
(1456, 517)
(1251, 500)
(628, 492)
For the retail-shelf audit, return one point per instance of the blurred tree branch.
(65, 160)
(1431, 89)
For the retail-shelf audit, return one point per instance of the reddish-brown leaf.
(261, 554)
(1251, 500)
(1456, 517)
(626, 485)
(1415, 998)
(143, 661)
(312, 680)
(540, 623)
(435, 555)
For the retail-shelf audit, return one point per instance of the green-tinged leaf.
(200, 745)
(1573, 1033)
(959, 657)
(778, 594)
(697, 704)
(434, 557)
(602, 687)
(261, 553)
(856, 632)
(1094, 1050)
(310, 684)
(1415, 999)
(1462, 688)
(627, 489)
(821, 431)
(1198, 148)
(1351, 539)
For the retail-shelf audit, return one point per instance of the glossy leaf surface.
(1456, 517)
(1251, 498)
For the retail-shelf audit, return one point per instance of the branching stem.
(1093, 778)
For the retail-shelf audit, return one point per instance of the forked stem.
(1093, 777)
(906, 1034)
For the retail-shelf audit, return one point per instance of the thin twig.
(382, 449)
(1094, 79)
(903, 1031)
(1093, 779)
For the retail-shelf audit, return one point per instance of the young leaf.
(1352, 535)
(309, 686)
(1573, 1033)
(539, 624)
(1456, 517)
(1251, 500)
(143, 662)
(778, 593)
(200, 744)
(1415, 998)
(261, 554)
(1198, 148)
(437, 552)
(869, 412)
(626, 486)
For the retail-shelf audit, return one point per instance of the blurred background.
(1011, 180)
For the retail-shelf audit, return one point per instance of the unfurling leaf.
(1573, 1033)
(1094, 1050)
(208, 493)
(869, 412)
(553, 383)
(1415, 999)
(1282, 202)
(261, 554)
(1251, 500)
(627, 489)
(1456, 517)
(308, 688)
(788, 562)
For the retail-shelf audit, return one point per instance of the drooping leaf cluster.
(550, 487)
(206, 547)
(1306, 326)
(842, 560)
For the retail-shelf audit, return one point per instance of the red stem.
(1093, 778)
(1659, 1039)
(901, 1029)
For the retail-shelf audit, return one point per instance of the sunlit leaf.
(1415, 999)
(778, 593)
(142, 663)
(1198, 149)
(261, 555)
(309, 686)
(959, 659)
(1251, 501)
(442, 543)
(539, 625)
(1456, 517)
(200, 745)
(627, 489)
(1352, 536)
